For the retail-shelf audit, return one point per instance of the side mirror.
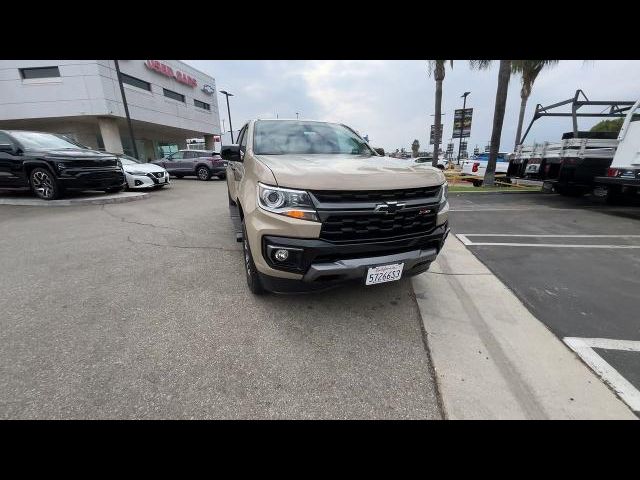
(7, 147)
(231, 153)
(380, 151)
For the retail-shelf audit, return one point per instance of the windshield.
(300, 137)
(44, 141)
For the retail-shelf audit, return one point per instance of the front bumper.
(323, 264)
(146, 181)
(92, 179)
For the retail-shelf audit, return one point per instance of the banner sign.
(433, 129)
(462, 122)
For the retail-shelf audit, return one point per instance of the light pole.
(296, 115)
(464, 105)
(126, 109)
(227, 94)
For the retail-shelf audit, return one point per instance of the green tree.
(608, 125)
(528, 71)
(415, 148)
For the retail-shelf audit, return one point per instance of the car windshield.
(44, 141)
(281, 137)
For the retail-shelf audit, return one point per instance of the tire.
(44, 185)
(477, 183)
(114, 190)
(222, 176)
(203, 173)
(614, 196)
(252, 274)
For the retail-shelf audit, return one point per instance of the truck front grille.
(337, 196)
(372, 226)
(366, 215)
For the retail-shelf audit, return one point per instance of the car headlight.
(134, 172)
(444, 195)
(284, 201)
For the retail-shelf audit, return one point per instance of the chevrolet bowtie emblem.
(389, 207)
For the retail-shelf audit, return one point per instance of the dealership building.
(168, 101)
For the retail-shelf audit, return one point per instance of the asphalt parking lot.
(140, 310)
(574, 263)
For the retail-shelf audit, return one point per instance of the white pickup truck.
(477, 166)
(623, 175)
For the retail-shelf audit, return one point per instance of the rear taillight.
(612, 172)
(475, 166)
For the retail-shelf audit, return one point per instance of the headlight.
(444, 195)
(445, 192)
(284, 201)
(133, 172)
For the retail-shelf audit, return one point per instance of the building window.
(174, 95)
(200, 104)
(39, 72)
(136, 82)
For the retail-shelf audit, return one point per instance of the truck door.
(237, 168)
(628, 151)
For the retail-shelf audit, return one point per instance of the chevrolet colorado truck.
(315, 206)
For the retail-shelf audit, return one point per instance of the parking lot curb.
(67, 202)
(493, 359)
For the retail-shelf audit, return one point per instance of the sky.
(392, 101)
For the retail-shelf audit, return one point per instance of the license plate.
(384, 273)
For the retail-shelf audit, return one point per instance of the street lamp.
(464, 105)
(227, 94)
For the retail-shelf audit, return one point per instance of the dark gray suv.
(203, 164)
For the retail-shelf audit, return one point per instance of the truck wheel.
(253, 276)
(477, 183)
(222, 176)
(44, 184)
(614, 196)
(203, 173)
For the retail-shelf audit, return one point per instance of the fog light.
(281, 255)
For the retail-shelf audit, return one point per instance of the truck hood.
(349, 172)
(73, 154)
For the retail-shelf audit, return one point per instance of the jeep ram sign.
(165, 69)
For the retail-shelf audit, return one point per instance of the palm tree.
(437, 68)
(504, 74)
(415, 148)
(529, 71)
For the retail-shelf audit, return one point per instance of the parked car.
(51, 164)
(477, 166)
(203, 164)
(314, 206)
(140, 175)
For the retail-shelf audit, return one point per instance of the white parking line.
(464, 238)
(584, 348)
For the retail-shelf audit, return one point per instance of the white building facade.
(168, 102)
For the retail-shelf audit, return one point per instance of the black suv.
(51, 163)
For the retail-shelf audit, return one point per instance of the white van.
(623, 175)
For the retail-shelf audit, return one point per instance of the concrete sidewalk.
(493, 359)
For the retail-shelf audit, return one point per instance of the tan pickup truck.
(314, 206)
